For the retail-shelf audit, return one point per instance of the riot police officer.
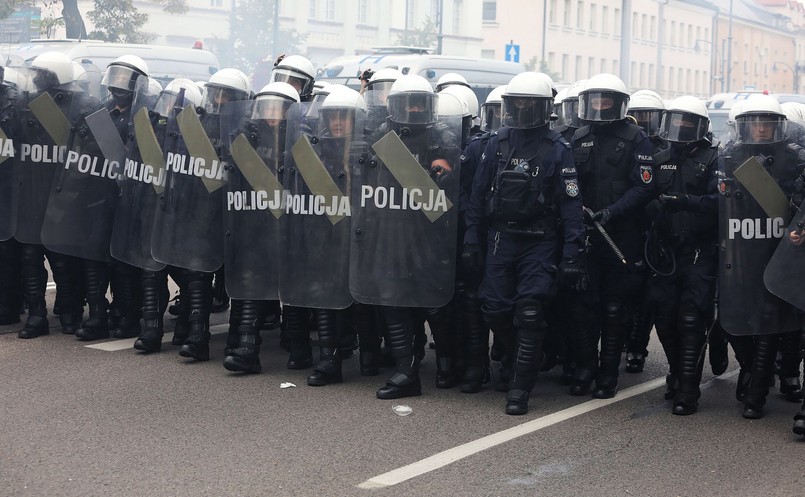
(614, 161)
(684, 226)
(298, 72)
(525, 187)
(10, 274)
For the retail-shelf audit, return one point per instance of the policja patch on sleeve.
(645, 174)
(571, 188)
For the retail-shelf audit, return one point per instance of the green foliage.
(252, 34)
(425, 37)
(532, 65)
(173, 6)
(118, 21)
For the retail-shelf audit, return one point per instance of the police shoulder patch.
(722, 186)
(571, 188)
(645, 174)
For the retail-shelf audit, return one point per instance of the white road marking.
(450, 456)
(128, 343)
(51, 285)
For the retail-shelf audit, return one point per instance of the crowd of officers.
(577, 222)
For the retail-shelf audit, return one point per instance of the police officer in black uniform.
(525, 186)
(614, 161)
(685, 229)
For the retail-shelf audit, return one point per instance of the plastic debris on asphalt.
(401, 410)
(287, 384)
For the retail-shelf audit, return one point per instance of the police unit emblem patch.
(645, 174)
(722, 186)
(571, 188)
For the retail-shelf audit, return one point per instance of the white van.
(482, 74)
(164, 63)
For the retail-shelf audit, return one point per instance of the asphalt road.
(80, 421)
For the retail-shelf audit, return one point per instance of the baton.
(605, 236)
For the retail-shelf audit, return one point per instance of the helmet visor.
(683, 127)
(763, 128)
(648, 119)
(270, 107)
(525, 112)
(337, 122)
(168, 102)
(570, 113)
(490, 116)
(120, 77)
(216, 96)
(412, 107)
(377, 92)
(602, 106)
(301, 83)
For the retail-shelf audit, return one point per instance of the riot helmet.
(412, 100)
(379, 85)
(490, 110)
(51, 70)
(298, 72)
(179, 93)
(226, 85)
(467, 95)
(273, 101)
(685, 121)
(604, 99)
(527, 102)
(451, 79)
(453, 104)
(646, 107)
(761, 120)
(732, 127)
(570, 105)
(557, 105)
(342, 112)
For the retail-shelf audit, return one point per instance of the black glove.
(675, 201)
(279, 59)
(366, 75)
(472, 259)
(573, 273)
(602, 217)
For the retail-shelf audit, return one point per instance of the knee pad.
(689, 318)
(615, 310)
(529, 314)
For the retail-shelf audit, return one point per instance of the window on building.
(643, 26)
(616, 13)
(673, 33)
(330, 12)
(642, 79)
(590, 67)
(578, 68)
(635, 30)
(565, 68)
(653, 28)
(551, 60)
(593, 17)
(670, 78)
(690, 35)
(363, 11)
(490, 12)
(410, 13)
(681, 34)
(566, 14)
(603, 66)
(696, 87)
(651, 76)
(633, 71)
(580, 15)
(680, 79)
(312, 9)
(604, 19)
(434, 10)
(457, 12)
(615, 67)
(216, 3)
(487, 54)
(552, 12)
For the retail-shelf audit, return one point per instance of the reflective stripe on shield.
(198, 144)
(150, 151)
(254, 169)
(315, 175)
(51, 118)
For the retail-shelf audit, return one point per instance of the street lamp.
(795, 72)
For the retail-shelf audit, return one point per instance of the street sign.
(512, 53)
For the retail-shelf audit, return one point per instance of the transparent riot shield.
(785, 272)
(189, 218)
(80, 210)
(43, 138)
(254, 202)
(404, 215)
(316, 225)
(9, 128)
(141, 180)
(753, 213)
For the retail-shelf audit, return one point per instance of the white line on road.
(128, 343)
(450, 456)
(51, 285)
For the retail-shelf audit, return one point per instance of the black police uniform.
(10, 273)
(614, 160)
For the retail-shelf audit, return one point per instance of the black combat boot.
(637, 343)
(405, 381)
(243, 341)
(10, 282)
(762, 370)
(368, 338)
(531, 331)
(96, 281)
(799, 421)
(613, 337)
(440, 323)
(295, 322)
(328, 369)
(718, 351)
(67, 276)
(128, 295)
(220, 299)
(585, 333)
(150, 339)
(790, 359)
(693, 340)
(34, 286)
(199, 299)
(477, 346)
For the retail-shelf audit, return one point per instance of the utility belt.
(534, 230)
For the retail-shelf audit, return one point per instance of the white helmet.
(465, 94)
(379, 85)
(274, 100)
(318, 85)
(603, 99)
(411, 100)
(646, 107)
(793, 112)
(732, 128)
(154, 86)
(298, 72)
(51, 69)
(450, 79)
(169, 97)
(340, 103)
(761, 120)
(226, 85)
(527, 102)
(560, 96)
(490, 110)
(122, 73)
(685, 120)
(569, 114)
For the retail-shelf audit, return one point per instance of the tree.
(531, 65)
(425, 37)
(118, 21)
(252, 36)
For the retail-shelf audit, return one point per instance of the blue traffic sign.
(512, 53)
